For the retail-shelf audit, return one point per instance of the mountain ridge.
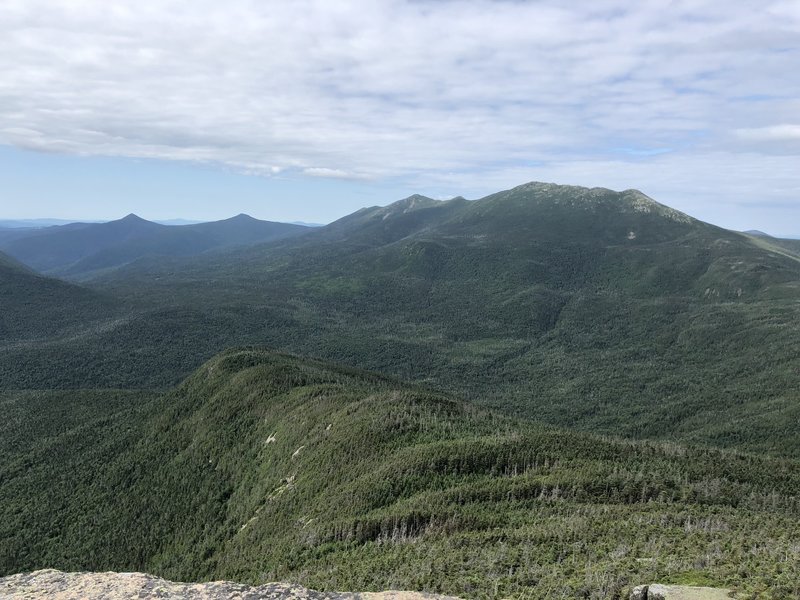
(527, 302)
(265, 466)
(81, 250)
(505, 284)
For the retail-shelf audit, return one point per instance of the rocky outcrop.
(50, 584)
(656, 591)
(57, 585)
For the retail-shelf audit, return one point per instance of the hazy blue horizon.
(308, 111)
(187, 220)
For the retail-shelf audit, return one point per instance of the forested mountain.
(9, 265)
(81, 250)
(41, 308)
(793, 246)
(263, 466)
(581, 307)
(491, 332)
(586, 308)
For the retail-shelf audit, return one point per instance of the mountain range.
(582, 307)
(263, 466)
(78, 250)
(31, 223)
(550, 391)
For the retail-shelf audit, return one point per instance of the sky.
(308, 110)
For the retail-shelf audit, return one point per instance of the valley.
(552, 391)
(402, 300)
(533, 301)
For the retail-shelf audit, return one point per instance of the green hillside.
(9, 264)
(586, 308)
(263, 466)
(780, 245)
(33, 307)
(583, 308)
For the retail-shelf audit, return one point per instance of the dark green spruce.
(263, 466)
(598, 310)
(549, 392)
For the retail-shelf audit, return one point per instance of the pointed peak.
(239, 219)
(133, 218)
(417, 198)
(413, 202)
(131, 222)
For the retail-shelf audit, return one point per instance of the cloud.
(433, 93)
(332, 173)
(779, 133)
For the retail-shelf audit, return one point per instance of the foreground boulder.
(656, 591)
(56, 585)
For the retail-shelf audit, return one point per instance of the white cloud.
(439, 93)
(781, 133)
(331, 173)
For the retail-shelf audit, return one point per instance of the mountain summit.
(556, 313)
(82, 250)
(525, 300)
(132, 218)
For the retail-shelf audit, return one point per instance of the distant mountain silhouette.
(81, 249)
(32, 223)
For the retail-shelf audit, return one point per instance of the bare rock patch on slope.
(56, 585)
